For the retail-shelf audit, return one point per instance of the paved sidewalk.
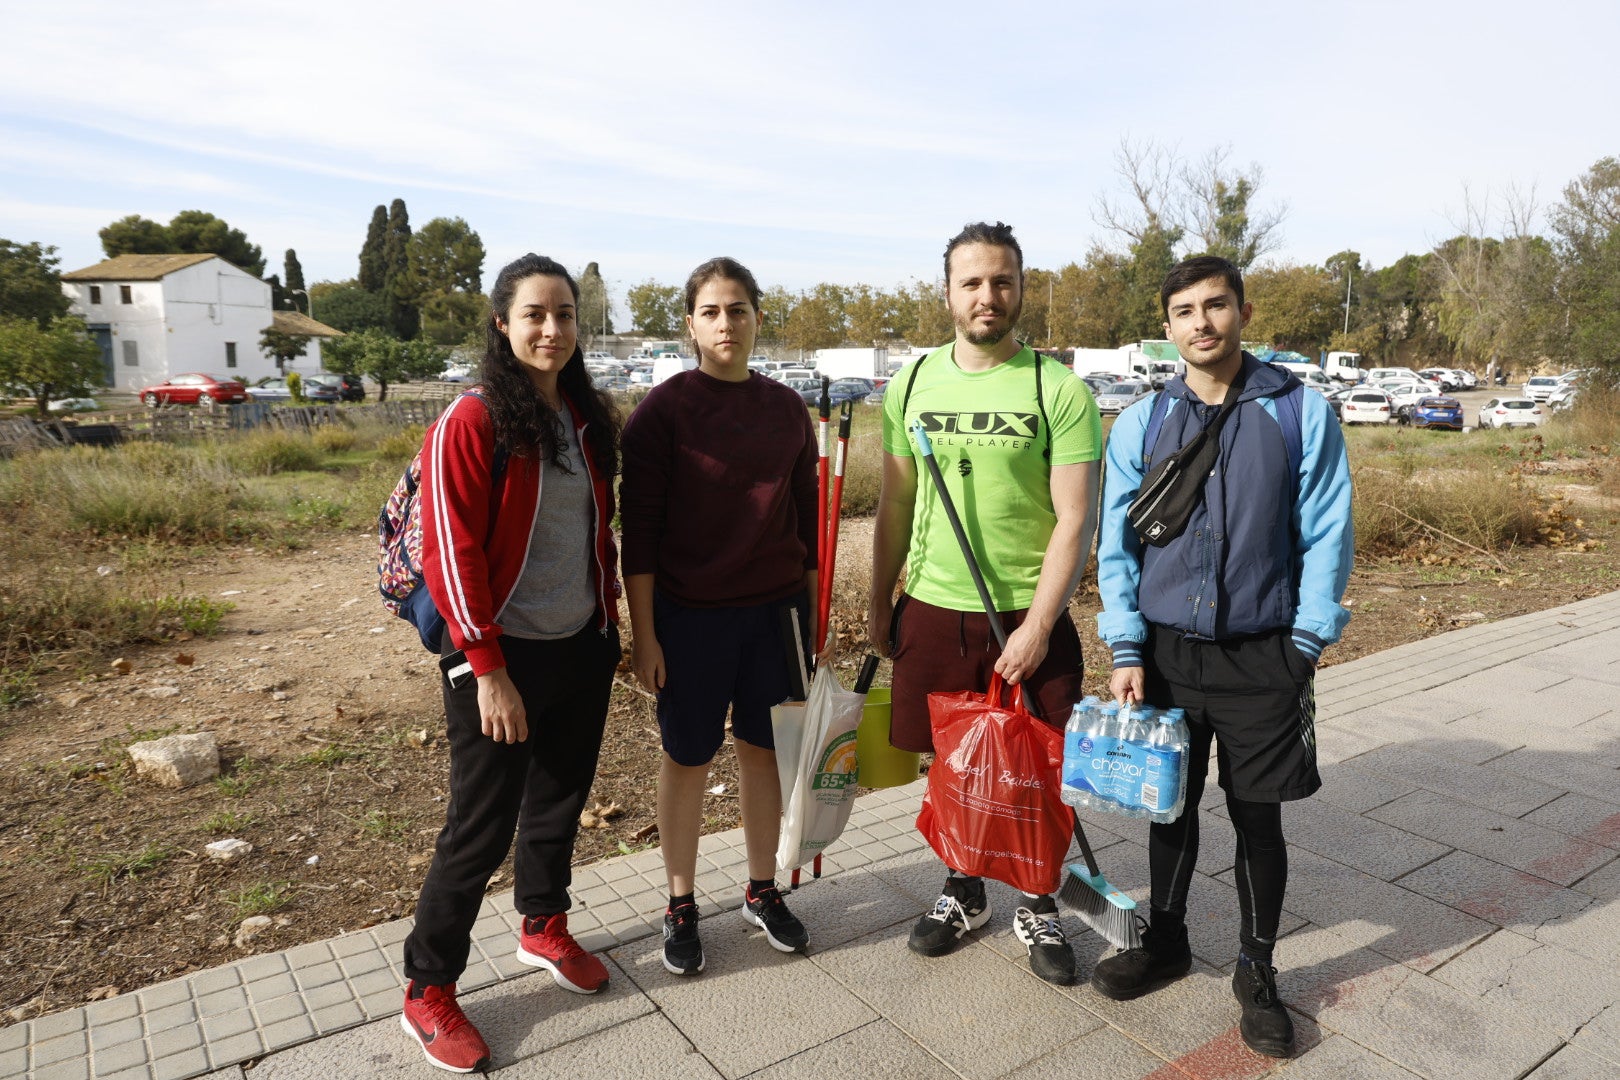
(1452, 912)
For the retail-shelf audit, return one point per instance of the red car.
(192, 388)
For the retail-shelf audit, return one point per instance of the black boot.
(1132, 973)
(1266, 1026)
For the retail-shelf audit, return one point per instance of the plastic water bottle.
(1167, 754)
(1131, 753)
(1078, 735)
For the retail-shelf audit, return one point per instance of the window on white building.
(95, 294)
(132, 355)
(126, 295)
(230, 354)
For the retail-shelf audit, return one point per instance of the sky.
(834, 141)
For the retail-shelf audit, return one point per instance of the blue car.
(1438, 412)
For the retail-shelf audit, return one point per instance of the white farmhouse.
(155, 316)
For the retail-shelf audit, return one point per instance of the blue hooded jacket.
(1264, 551)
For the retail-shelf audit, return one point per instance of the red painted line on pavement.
(1222, 1058)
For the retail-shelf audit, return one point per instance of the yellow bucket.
(881, 765)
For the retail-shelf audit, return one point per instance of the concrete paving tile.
(231, 1072)
(1505, 725)
(1492, 788)
(356, 964)
(165, 993)
(1500, 838)
(1544, 985)
(179, 1015)
(235, 1048)
(220, 1002)
(127, 1030)
(527, 1016)
(119, 1008)
(1584, 818)
(1395, 922)
(1513, 679)
(215, 1028)
(352, 944)
(115, 1059)
(318, 975)
(1357, 790)
(14, 1062)
(184, 1064)
(1565, 771)
(1180, 1018)
(171, 1041)
(752, 1006)
(956, 1004)
(73, 1069)
(393, 932)
(263, 966)
(1337, 1058)
(1602, 1037)
(14, 1036)
(1594, 933)
(1103, 1054)
(61, 1023)
(74, 1044)
(1498, 894)
(278, 1009)
(853, 1055)
(1603, 883)
(1569, 703)
(1359, 842)
(383, 979)
(1336, 742)
(839, 909)
(646, 1046)
(1415, 1021)
(272, 987)
(214, 979)
(288, 1032)
(1575, 1063)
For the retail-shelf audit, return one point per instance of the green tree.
(595, 312)
(444, 256)
(454, 318)
(817, 320)
(373, 267)
(293, 272)
(134, 235)
(190, 232)
(776, 303)
(346, 306)
(1295, 307)
(1088, 302)
(283, 347)
(1587, 225)
(30, 286)
(59, 360)
(1216, 210)
(404, 319)
(930, 324)
(873, 315)
(656, 310)
(386, 359)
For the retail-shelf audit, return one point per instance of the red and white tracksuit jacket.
(471, 566)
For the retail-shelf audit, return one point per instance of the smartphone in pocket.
(458, 670)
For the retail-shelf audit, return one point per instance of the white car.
(456, 373)
(1117, 397)
(784, 374)
(1541, 387)
(1365, 405)
(1386, 374)
(1404, 394)
(1448, 379)
(1507, 412)
(1563, 397)
(72, 405)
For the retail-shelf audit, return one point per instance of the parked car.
(456, 372)
(1447, 378)
(1121, 395)
(783, 374)
(1366, 405)
(1507, 412)
(1541, 387)
(1317, 379)
(1437, 412)
(809, 388)
(1563, 397)
(1098, 383)
(72, 405)
(876, 396)
(1335, 400)
(322, 388)
(849, 388)
(194, 388)
(349, 387)
(270, 390)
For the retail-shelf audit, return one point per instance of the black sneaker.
(1134, 972)
(963, 906)
(1036, 925)
(1266, 1026)
(683, 949)
(768, 911)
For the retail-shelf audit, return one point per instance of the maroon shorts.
(937, 650)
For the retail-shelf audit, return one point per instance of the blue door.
(103, 338)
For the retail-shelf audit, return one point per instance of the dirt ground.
(326, 711)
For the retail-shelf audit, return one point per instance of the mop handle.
(927, 450)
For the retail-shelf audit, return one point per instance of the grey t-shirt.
(554, 597)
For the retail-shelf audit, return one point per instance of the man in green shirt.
(1018, 441)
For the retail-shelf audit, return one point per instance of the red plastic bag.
(992, 807)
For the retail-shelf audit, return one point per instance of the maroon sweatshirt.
(718, 497)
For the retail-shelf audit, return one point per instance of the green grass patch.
(240, 780)
(261, 899)
(327, 757)
(17, 686)
(265, 452)
(228, 822)
(108, 867)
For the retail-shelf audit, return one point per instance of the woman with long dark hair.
(519, 558)
(719, 520)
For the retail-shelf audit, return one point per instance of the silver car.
(1122, 394)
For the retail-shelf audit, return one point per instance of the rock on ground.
(177, 761)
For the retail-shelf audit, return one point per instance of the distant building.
(160, 315)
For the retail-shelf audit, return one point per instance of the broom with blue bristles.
(1085, 891)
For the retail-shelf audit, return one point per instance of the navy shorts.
(717, 659)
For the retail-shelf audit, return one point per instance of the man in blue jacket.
(1227, 621)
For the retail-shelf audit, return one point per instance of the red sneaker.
(448, 1038)
(546, 942)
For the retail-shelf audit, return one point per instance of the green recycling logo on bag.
(837, 768)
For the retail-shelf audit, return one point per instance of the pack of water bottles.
(1129, 760)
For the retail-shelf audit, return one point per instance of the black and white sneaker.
(683, 949)
(1050, 957)
(963, 906)
(768, 911)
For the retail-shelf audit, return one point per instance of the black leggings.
(1262, 858)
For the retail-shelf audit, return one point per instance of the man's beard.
(974, 336)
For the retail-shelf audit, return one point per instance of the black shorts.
(1255, 695)
(717, 659)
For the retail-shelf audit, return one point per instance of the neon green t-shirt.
(985, 430)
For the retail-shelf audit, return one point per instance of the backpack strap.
(911, 381)
(1150, 437)
(1288, 407)
(1040, 399)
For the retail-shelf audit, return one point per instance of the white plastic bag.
(816, 763)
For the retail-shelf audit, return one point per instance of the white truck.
(870, 363)
(1343, 367)
(667, 364)
(1125, 362)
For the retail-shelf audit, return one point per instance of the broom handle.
(927, 450)
(1085, 845)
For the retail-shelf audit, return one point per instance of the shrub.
(1396, 510)
(334, 438)
(265, 452)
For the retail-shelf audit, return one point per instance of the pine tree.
(373, 270)
(293, 275)
(403, 317)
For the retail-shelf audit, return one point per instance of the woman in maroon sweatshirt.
(718, 511)
(518, 556)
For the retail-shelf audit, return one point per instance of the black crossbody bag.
(1174, 487)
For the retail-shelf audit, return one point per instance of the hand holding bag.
(992, 807)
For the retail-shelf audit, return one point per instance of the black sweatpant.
(535, 788)
(1256, 703)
